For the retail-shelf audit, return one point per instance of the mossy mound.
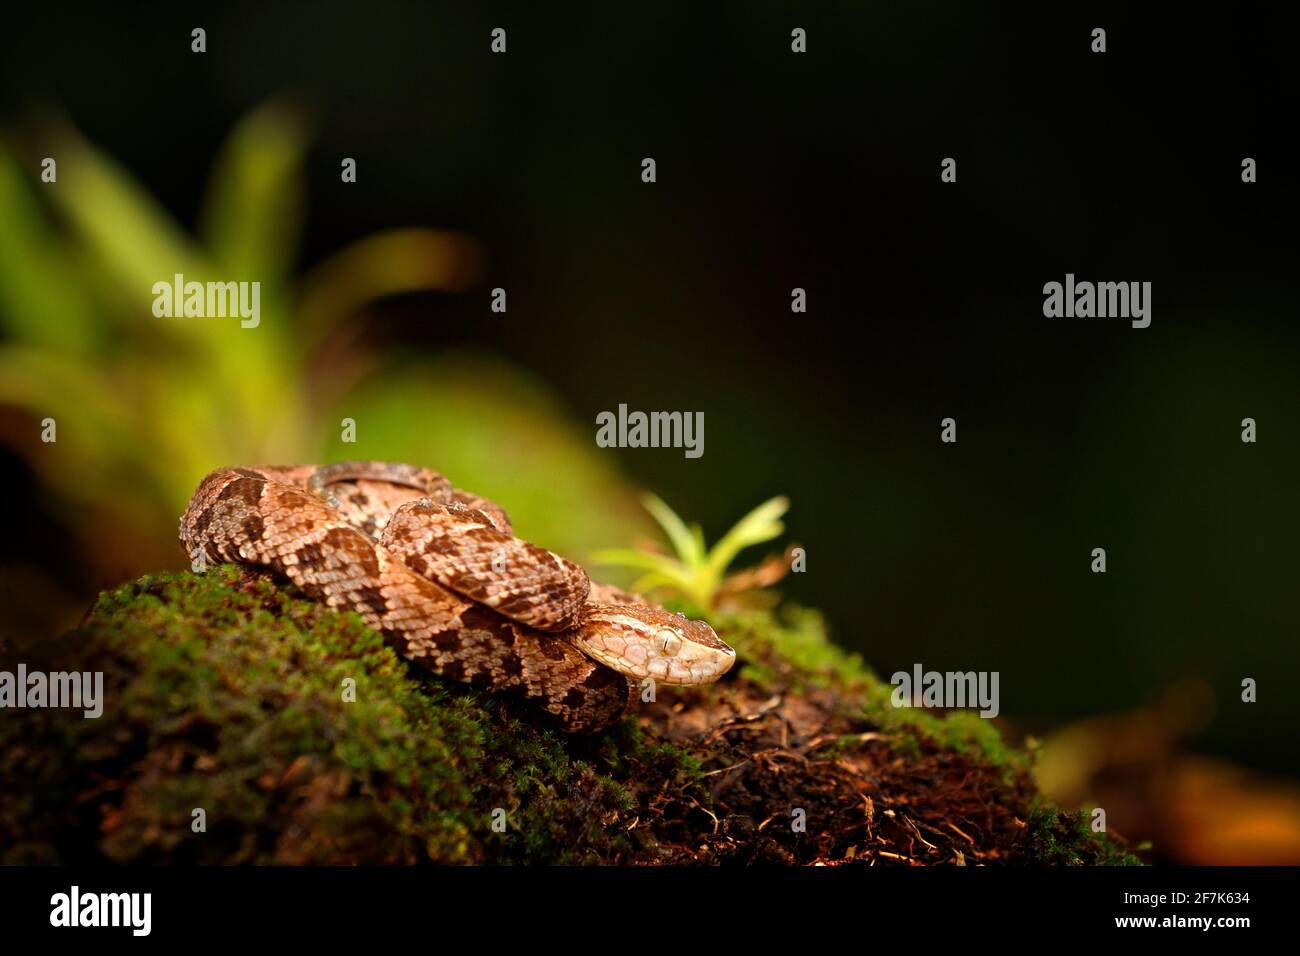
(304, 739)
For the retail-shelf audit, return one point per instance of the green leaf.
(683, 584)
(96, 430)
(390, 263)
(138, 245)
(121, 223)
(252, 213)
(686, 544)
(632, 558)
(759, 525)
(44, 381)
(41, 301)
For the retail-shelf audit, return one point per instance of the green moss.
(226, 693)
(1062, 838)
(790, 648)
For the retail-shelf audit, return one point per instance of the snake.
(439, 572)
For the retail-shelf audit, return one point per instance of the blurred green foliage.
(145, 406)
(696, 572)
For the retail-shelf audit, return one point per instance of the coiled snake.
(439, 572)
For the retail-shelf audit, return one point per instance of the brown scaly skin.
(438, 571)
(252, 516)
(461, 549)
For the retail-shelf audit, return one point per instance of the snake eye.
(669, 641)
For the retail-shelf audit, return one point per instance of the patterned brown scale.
(461, 549)
(383, 539)
(495, 513)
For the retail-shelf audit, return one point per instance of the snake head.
(641, 641)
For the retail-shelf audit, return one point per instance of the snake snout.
(642, 642)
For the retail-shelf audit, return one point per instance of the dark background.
(821, 170)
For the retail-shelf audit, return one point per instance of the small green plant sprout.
(697, 573)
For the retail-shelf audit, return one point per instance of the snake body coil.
(439, 572)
